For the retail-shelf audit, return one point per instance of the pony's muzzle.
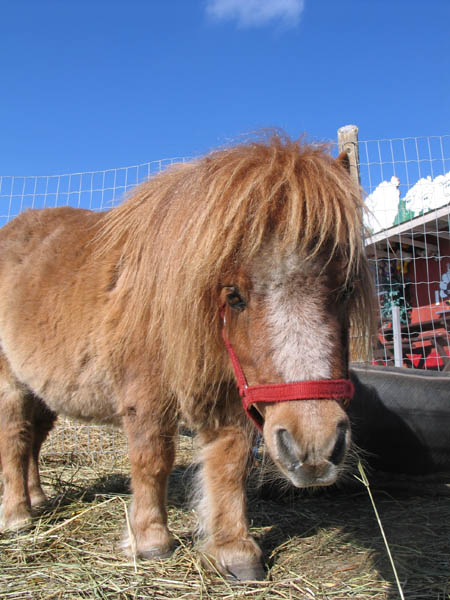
(310, 465)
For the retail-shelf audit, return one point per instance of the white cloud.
(255, 13)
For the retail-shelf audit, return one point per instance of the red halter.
(335, 389)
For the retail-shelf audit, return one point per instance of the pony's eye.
(235, 300)
(345, 292)
(349, 290)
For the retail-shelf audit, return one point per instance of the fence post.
(348, 142)
(396, 330)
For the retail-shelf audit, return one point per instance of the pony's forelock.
(191, 229)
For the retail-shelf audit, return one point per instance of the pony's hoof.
(155, 554)
(246, 572)
(38, 499)
(16, 525)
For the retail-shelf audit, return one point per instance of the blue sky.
(97, 84)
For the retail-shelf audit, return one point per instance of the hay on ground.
(317, 546)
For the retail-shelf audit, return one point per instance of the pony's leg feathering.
(226, 542)
(151, 450)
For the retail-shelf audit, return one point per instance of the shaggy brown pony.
(115, 317)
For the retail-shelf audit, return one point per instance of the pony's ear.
(344, 161)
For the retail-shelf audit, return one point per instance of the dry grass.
(323, 546)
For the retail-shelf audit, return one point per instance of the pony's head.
(268, 235)
(286, 327)
(287, 310)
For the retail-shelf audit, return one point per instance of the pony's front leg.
(151, 451)
(227, 543)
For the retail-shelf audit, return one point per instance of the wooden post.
(348, 142)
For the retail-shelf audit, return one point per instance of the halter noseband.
(320, 389)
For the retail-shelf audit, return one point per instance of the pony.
(245, 266)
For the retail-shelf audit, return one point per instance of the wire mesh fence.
(407, 182)
(408, 186)
(96, 190)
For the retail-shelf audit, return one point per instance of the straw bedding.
(324, 546)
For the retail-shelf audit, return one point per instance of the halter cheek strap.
(320, 389)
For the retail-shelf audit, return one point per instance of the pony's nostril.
(287, 450)
(340, 445)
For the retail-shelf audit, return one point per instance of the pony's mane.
(186, 231)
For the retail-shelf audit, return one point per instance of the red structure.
(412, 269)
